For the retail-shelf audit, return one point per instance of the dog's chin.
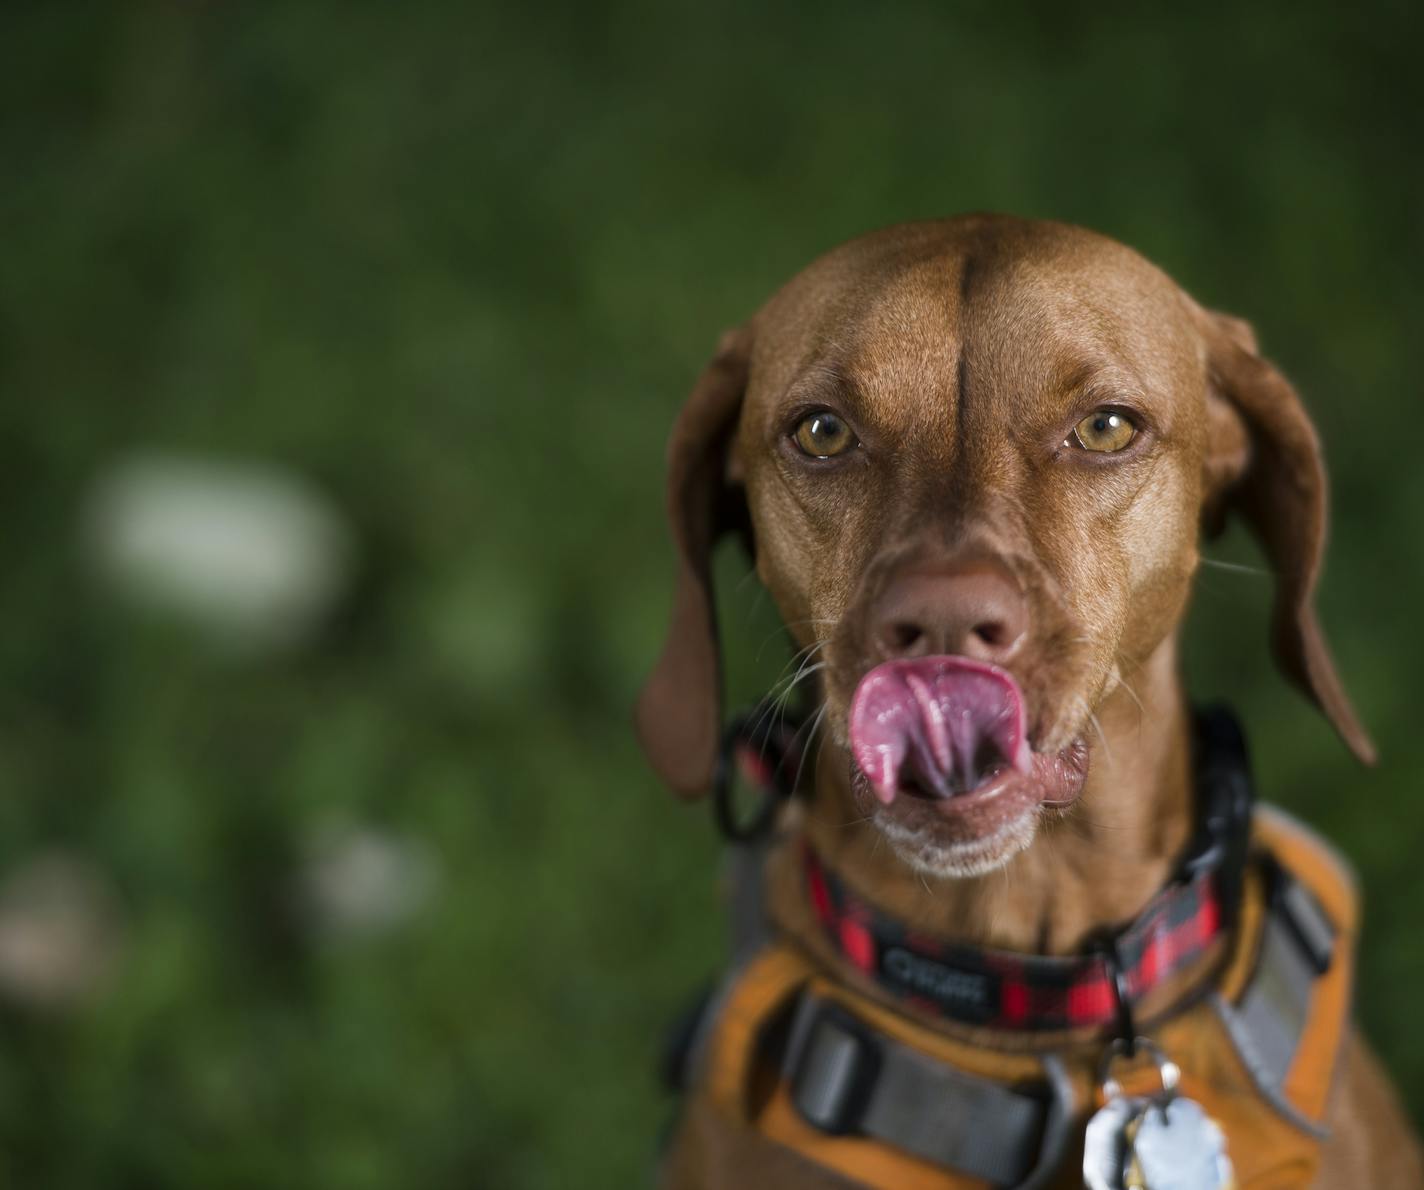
(979, 830)
(944, 858)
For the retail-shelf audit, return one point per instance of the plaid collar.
(1008, 990)
(1099, 987)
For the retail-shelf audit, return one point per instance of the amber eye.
(1104, 431)
(823, 435)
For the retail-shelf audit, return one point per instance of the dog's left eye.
(1104, 431)
(823, 435)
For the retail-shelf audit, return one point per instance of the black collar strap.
(1095, 989)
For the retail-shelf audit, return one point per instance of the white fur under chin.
(958, 860)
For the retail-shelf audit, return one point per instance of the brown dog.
(974, 457)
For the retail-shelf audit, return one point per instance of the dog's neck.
(1097, 865)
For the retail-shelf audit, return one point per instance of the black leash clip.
(1125, 1028)
(764, 747)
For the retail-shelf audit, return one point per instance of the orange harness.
(1258, 1052)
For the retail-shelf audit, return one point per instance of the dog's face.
(1013, 431)
(975, 457)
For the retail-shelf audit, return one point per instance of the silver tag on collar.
(1176, 1146)
(1153, 1142)
(1106, 1149)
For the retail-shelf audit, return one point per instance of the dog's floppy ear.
(679, 710)
(1263, 462)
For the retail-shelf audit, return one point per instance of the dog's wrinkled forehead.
(1001, 312)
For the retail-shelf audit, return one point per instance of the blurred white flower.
(359, 881)
(59, 930)
(252, 554)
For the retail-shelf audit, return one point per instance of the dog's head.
(974, 458)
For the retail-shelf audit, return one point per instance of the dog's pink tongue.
(944, 720)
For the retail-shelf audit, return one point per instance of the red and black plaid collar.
(1007, 990)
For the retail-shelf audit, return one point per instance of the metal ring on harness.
(1168, 1071)
(767, 735)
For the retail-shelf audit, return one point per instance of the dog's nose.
(979, 613)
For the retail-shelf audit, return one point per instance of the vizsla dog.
(973, 459)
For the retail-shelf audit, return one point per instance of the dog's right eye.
(1105, 431)
(823, 435)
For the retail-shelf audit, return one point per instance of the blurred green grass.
(458, 265)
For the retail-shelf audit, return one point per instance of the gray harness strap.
(846, 1079)
(745, 873)
(1265, 1024)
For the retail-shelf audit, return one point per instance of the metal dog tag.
(1175, 1145)
(1106, 1149)
(1153, 1142)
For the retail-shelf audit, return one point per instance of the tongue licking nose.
(941, 723)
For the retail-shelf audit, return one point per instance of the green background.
(457, 266)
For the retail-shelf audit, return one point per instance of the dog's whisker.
(1237, 567)
(808, 667)
(1089, 817)
(783, 705)
(1122, 681)
(783, 685)
(1092, 822)
(780, 694)
(809, 650)
(1132, 694)
(1102, 735)
(1098, 727)
(811, 736)
(778, 700)
(807, 660)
